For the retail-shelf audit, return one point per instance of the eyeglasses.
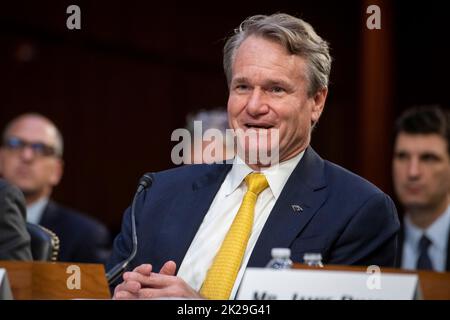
(39, 149)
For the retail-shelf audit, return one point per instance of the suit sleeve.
(122, 243)
(95, 246)
(14, 237)
(370, 238)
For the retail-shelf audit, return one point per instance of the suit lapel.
(305, 187)
(48, 216)
(191, 207)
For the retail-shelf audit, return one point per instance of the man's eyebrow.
(277, 82)
(430, 154)
(267, 83)
(239, 80)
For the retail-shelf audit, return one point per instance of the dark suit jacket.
(401, 239)
(344, 217)
(14, 237)
(82, 239)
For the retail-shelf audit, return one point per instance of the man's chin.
(27, 190)
(416, 205)
(260, 157)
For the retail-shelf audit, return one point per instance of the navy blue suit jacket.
(82, 239)
(344, 217)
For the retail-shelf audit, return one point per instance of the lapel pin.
(296, 208)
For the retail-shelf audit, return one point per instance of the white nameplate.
(5, 290)
(296, 284)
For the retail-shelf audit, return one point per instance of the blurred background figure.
(204, 152)
(14, 238)
(31, 159)
(421, 174)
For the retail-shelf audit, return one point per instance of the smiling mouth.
(258, 126)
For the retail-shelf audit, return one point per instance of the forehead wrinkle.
(276, 59)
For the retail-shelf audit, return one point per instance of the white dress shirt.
(220, 216)
(437, 232)
(35, 210)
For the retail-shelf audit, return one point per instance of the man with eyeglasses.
(31, 159)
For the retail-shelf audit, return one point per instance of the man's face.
(34, 173)
(268, 90)
(421, 170)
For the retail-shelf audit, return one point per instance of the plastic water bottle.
(281, 259)
(313, 259)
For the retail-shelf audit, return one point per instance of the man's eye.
(429, 158)
(401, 156)
(14, 143)
(38, 147)
(241, 87)
(277, 90)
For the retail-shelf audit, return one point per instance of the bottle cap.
(281, 252)
(312, 256)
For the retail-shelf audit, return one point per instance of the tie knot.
(424, 243)
(256, 182)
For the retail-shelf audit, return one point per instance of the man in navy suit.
(421, 174)
(31, 158)
(277, 69)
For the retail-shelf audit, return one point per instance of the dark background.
(118, 87)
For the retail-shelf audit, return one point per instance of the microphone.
(113, 274)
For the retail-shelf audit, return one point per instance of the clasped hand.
(142, 283)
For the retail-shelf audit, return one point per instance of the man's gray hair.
(294, 34)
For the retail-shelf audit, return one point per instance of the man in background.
(210, 151)
(31, 159)
(14, 238)
(421, 172)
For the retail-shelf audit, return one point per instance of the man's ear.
(58, 172)
(318, 104)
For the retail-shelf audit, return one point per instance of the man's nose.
(414, 168)
(257, 103)
(27, 154)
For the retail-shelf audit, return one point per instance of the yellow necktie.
(223, 272)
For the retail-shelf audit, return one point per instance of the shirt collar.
(35, 210)
(436, 232)
(277, 175)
